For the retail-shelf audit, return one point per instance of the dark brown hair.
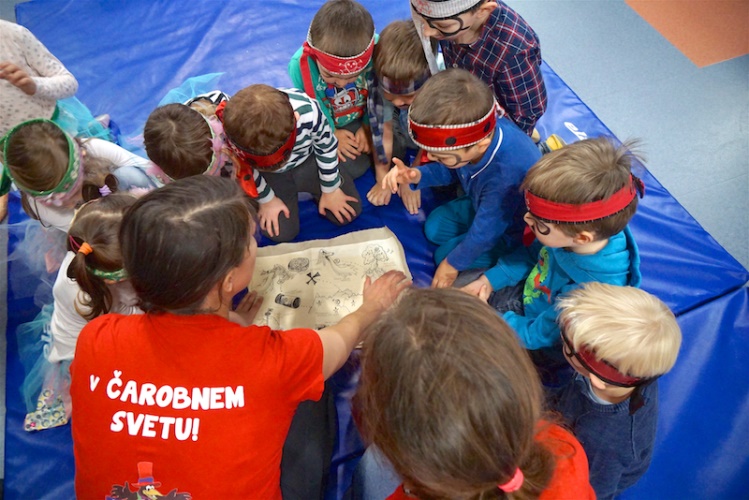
(259, 118)
(98, 224)
(180, 240)
(343, 28)
(451, 399)
(451, 97)
(582, 172)
(178, 140)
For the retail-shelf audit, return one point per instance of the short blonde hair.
(622, 325)
(583, 172)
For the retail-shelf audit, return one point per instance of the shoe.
(552, 143)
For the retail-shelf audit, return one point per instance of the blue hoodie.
(493, 183)
(557, 272)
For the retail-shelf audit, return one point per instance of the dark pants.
(308, 450)
(304, 179)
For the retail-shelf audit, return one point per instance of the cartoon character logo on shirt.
(146, 487)
(534, 287)
(348, 100)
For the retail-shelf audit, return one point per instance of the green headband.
(71, 174)
(117, 275)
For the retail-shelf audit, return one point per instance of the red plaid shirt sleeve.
(507, 56)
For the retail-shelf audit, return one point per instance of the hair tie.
(85, 248)
(513, 484)
(105, 191)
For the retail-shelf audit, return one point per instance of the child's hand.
(411, 199)
(247, 309)
(364, 139)
(400, 174)
(379, 196)
(381, 294)
(339, 204)
(17, 77)
(445, 275)
(268, 215)
(480, 288)
(348, 145)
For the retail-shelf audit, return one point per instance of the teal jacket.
(557, 272)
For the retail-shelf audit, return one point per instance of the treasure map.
(313, 284)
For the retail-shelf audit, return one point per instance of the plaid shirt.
(507, 56)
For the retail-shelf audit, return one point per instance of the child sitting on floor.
(579, 201)
(334, 66)
(90, 283)
(451, 402)
(493, 42)
(284, 146)
(186, 139)
(619, 340)
(400, 71)
(207, 403)
(456, 120)
(50, 168)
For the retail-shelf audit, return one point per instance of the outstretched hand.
(380, 294)
(400, 174)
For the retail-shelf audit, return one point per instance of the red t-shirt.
(570, 479)
(192, 403)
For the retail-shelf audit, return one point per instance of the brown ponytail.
(451, 399)
(93, 235)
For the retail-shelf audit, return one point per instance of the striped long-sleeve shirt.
(313, 136)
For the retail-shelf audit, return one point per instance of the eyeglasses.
(450, 25)
(605, 371)
(541, 227)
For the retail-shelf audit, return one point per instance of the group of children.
(451, 394)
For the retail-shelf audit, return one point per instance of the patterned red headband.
(451, 137)
(249, 159)
(340, 66)
(585, 212)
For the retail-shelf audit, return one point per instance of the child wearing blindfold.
(334, 66)
(282, 145)
(579, 201)
(619, 340)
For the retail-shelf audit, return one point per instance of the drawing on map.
(313, 284)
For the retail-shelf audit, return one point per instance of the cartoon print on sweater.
(534, 284)
(348, 100)
(146, 487)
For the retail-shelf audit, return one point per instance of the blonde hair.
(582, 172)
(624, 326)
(398, 54)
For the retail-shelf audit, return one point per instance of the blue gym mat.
(126, 55)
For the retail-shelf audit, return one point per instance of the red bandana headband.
(248, 159)
(341, 66)
(450, 137)
(600, 368)
(585, 212)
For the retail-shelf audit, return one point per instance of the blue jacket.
(493, 185)
(557, 272)
(619, 445)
